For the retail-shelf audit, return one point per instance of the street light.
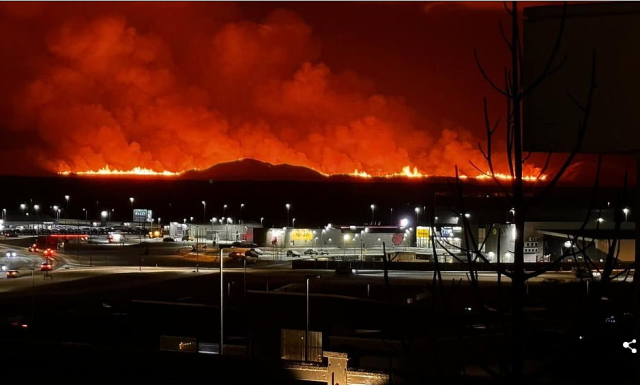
(261, 219)
(223, 210)
(132, 218)
(417, 213)
(372, 208)
(37, 207)
(288, 206)
(86, 213)
(306, 331)
(204, 211)
(66, 197)
(294, 223)
(241, 206)
(391, 217)
(626, 212)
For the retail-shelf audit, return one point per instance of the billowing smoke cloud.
(186, 86)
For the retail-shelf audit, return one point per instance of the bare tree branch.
(485, 76)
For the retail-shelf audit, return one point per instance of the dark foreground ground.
(109, 328)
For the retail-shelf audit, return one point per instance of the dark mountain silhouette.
(251, 169)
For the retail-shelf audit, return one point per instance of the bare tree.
(515, 91)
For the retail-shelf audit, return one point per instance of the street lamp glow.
(294, 223)
(404, 222)
(132, 218)
(261, 219)
(626, 212)
(241, 206)
(66, 214)
(288, 206)
(372, 208)
(417, 209)
(204, 211)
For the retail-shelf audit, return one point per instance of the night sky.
(175, 86)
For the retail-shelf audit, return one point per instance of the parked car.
(187, 237)
(293, 253)
(236, 255)
(168, 239)
(10, 254)
(252, 253)
(46, 266)
(323, 252)
(584, 273)
(244, 244)
(310, 252)
(10, 233)
(13, 273)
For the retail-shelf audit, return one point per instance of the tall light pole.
(417, 213)
(97, 209)
(66, 215)
(224, 208)
(261, 219)
(391, 217)
(86, 214)
(294, 223)
(204, 211)
(132, 218)
(288, 206)
(37, 207)
(241, 206)
(626, 212)
(306, 331)
(197, 234)
(4, 216)
(372, 208)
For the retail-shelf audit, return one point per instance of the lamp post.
(204, 211)
(241, 206)
(391, 217)
(345, 238)
(417, 213)
(626, 212)
(306, 331)
(132, 218)
(86, 214)
(372, 208)
(261, 219)
(66, 215)
(37, 207)
(197, 261)
(294, 223)
(4, 216)
(288, 206)
(224, 208)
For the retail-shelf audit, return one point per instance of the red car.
(46, 266)
(34, 248)
(48, 252)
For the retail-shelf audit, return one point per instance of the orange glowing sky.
(175, 86)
